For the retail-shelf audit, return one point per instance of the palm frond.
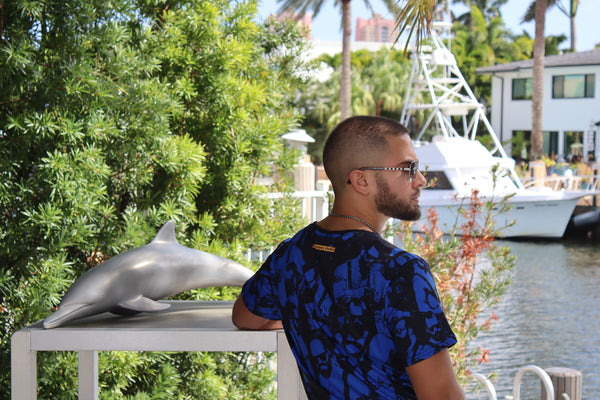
(415, 17)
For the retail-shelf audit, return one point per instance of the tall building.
(376, 29)
(381, 35)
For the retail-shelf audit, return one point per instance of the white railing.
(489, 388)
(315, 207)
(546, 381)
(543, 375)
(567, 183)
(315, 203)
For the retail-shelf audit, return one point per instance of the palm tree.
(489, 8)
(415, 15)
(378, 87)
(480, 43)
(537, 82)
(570, 13)
(387, 79)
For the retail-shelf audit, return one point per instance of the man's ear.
(359, 181)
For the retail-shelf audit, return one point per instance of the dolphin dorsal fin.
(166, 234)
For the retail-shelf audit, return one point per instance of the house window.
(550, 143)
(521, 89)
(574, 143)
(370, 34)
(573, 86)
(385, 31)
(520, 145)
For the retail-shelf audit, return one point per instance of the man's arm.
(434, 378)
(245, 319)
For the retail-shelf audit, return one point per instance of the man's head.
(357, 142)
(378, 153)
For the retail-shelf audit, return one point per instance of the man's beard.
(390, 206)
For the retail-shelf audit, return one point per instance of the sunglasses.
(412, 169)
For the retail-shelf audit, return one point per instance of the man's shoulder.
(397, 263)
(395, 253)
(405, 256)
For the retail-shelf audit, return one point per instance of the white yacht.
(458, 163)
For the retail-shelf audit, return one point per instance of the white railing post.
(489, 388)
(88, 375)
(23, 367)
(547, 382)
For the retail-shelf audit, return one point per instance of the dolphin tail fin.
(166, 234)
(137, 305)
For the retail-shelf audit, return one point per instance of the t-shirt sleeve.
(417, 321)
(259, 295)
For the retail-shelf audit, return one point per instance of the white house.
(571, 105)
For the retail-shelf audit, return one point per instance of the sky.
(326, 25)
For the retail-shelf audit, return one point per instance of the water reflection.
(549, 317)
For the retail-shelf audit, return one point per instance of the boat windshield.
(437, 180)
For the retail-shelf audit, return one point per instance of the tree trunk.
(345, 84)
(537, 84)
(572, 14)
(573, 33)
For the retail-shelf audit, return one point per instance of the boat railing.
(589, 183)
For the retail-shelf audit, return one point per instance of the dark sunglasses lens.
(414, 168)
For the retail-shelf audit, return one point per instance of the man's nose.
(420, 180)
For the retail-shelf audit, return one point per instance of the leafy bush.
(471, 272)
(116, 116)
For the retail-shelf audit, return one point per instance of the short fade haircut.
(357, 142)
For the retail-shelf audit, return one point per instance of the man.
(362, 317)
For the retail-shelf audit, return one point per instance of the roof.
(298, 135)
(591, 57)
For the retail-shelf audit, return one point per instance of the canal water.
(549, 317)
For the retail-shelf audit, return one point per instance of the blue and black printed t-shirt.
(356, 311)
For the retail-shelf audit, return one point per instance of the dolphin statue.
(132, 282)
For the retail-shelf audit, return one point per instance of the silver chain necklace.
(362, 221)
